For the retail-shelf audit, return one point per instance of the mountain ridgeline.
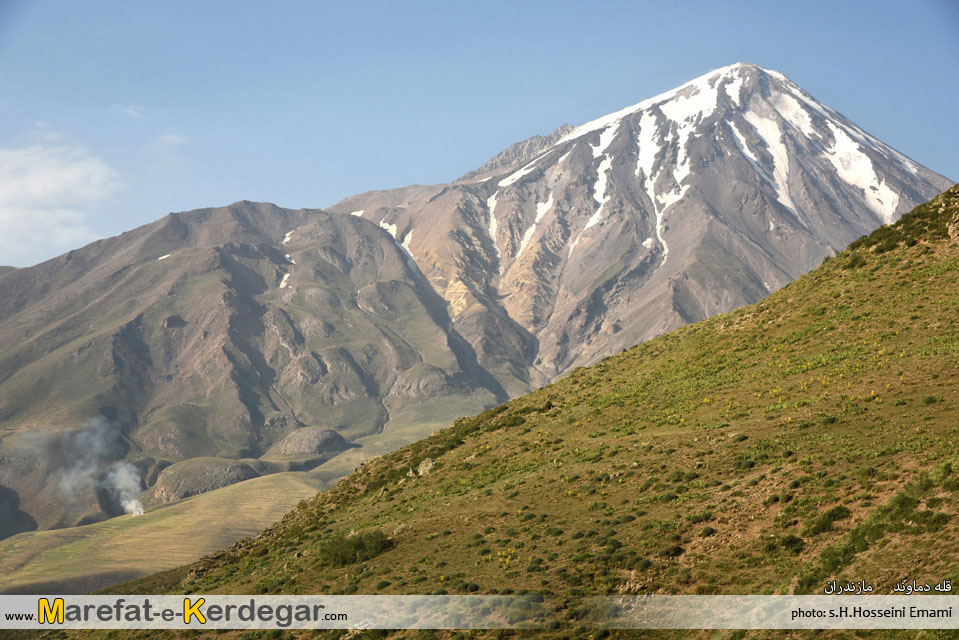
(217, 345)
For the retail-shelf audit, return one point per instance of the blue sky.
(113, 114)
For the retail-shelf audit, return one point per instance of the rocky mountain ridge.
(218, 334)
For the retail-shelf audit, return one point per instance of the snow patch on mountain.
(527, 236)
(517, 175)
(599, 195)
(665, 201)
(646, 159)
(605, 139)
(493, 227)
(541, 209)
(867, 140)
(793, 113)
(390, 228)
(749, 155)
(648, 147)
(850, 128)
(856, 168)
(599, 189)
(696, 103)
(768, 129)
(734, 89)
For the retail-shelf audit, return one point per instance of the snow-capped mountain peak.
(748, 102)
(681, 206)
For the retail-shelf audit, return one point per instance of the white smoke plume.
(89, 451)
(92, 452)
(124, 481)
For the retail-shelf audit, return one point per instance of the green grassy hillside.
(810, 436)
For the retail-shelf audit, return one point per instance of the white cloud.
(46, 196)
(171, 138)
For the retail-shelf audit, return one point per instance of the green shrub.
(700, 516)
(793, 544)
(825, 521)
(340, 550)
(855, 261)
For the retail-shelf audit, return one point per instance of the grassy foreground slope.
(810, 436)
